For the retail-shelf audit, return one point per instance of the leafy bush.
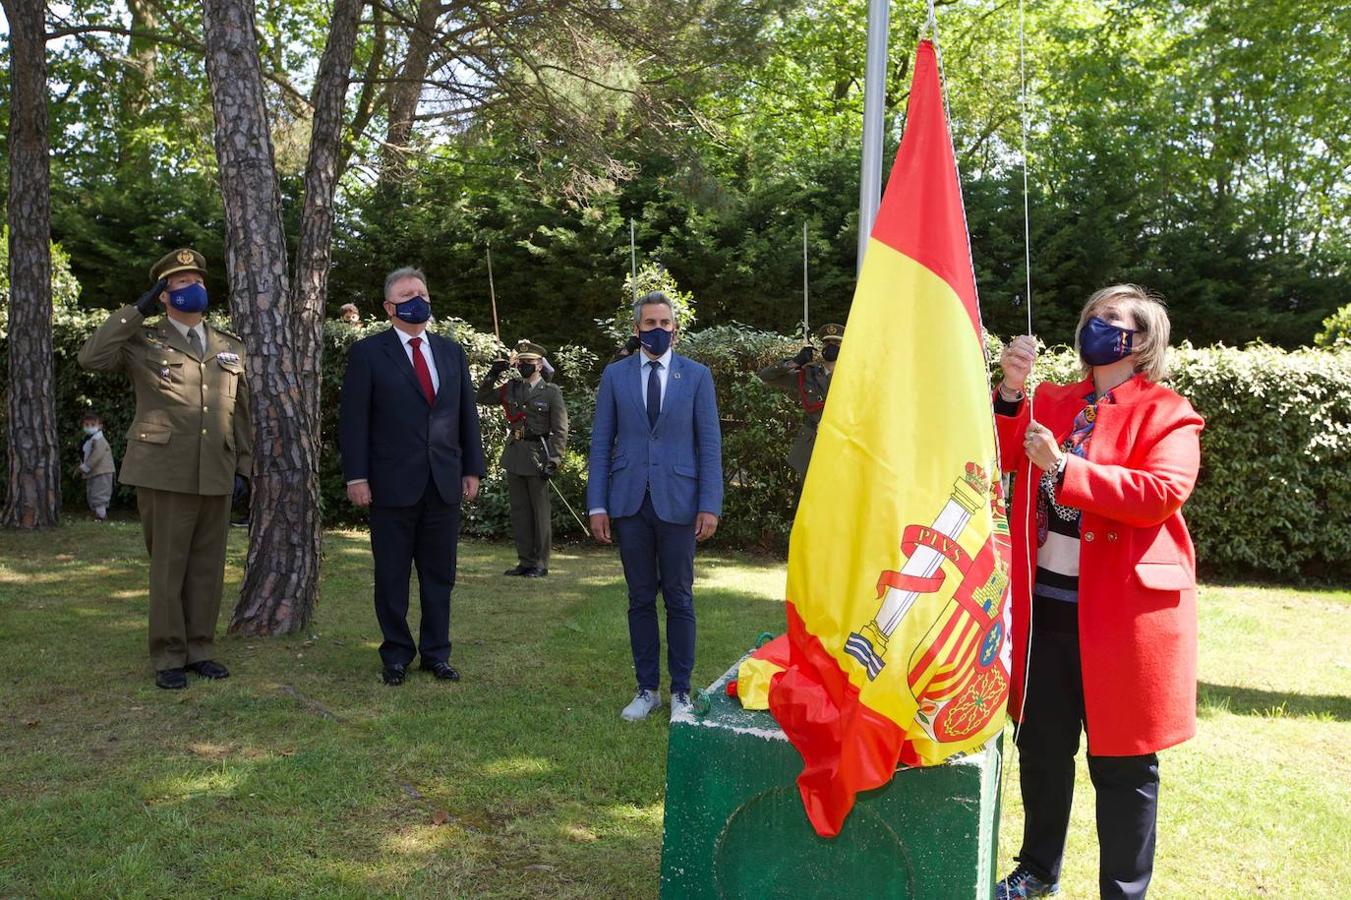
(1336, 329)
(651, 277)
(1272, 497)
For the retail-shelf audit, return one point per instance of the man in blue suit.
(656, 486)
(411, 451)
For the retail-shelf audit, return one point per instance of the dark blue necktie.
(653, 393)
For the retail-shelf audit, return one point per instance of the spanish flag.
(898, 563)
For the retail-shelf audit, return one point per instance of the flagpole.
(492, 294)
(633, 260)
(806, 328)
(874, 99)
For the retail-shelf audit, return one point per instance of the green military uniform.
(537, 423)
(191, 435)
(809, 384)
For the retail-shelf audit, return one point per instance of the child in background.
(97, 466)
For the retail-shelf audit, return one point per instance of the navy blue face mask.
(414, 310)
(189, 298)
(656, 341)
(830, 352)
(1102, 343)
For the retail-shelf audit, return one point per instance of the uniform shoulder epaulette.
(230, 334)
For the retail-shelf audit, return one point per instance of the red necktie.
(424, 374)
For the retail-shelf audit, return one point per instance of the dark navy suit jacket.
(679, 461)
(392, 437)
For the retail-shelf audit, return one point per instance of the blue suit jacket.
(392, 437)
(679, 461)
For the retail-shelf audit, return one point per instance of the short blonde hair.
(1147, 312)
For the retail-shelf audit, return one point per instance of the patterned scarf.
(1076, 443)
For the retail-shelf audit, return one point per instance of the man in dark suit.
(656, 480)
(411, 451)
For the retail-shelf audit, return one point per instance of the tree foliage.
(1195, 146)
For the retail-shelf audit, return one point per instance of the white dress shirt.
(425, 349)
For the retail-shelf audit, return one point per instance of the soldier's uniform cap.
(184, 260)
(529, 350)
(831, 332)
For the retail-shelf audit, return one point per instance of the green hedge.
(1273, 497)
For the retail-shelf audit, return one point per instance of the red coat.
(1137, 567)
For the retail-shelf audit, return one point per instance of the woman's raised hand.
(1016, 361)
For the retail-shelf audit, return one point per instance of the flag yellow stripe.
(896, 435)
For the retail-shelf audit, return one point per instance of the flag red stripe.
(921, 214)
(846, 746)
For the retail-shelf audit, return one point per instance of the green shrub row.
(1273, 497)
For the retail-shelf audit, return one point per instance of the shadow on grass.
(303, 758)
(1243, 701)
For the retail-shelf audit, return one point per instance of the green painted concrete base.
(735, 826)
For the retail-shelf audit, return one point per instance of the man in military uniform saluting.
(808, 380)
(191, 439)
(537, 423)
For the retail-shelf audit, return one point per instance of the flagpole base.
(735, 825)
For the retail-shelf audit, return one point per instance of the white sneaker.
(643, 703)
(681, 705)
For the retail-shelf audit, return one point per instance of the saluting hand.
(148, 303)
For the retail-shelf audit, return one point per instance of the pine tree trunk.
(322, 170)
(281, 571)
(34, 494)
(406, 91)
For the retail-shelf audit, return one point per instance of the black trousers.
(1126, 787)
(424, 534)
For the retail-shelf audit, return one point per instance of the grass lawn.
(303, 775)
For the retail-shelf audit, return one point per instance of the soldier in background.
(190, 441)
(625, 350)
(808, 380)
(348, 314)
(537, 423)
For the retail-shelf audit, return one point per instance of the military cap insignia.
(528, 349)
(184, 260)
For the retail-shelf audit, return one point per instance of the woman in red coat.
(1104, 586)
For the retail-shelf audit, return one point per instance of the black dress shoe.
(394, 675)
(442, 670)
(171, 679)
(535, 572)
(208, 668)
(519, 570)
